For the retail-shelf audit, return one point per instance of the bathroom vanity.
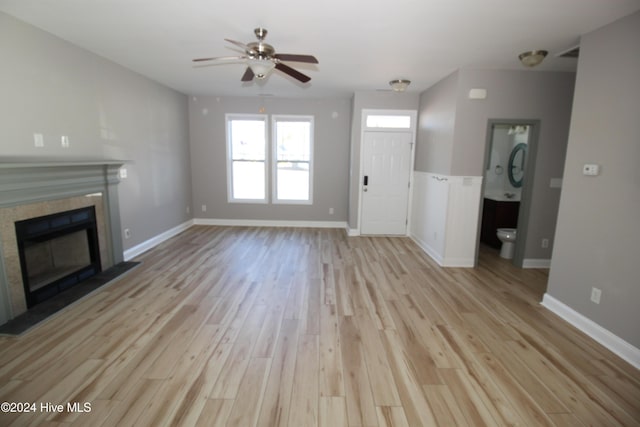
(497, 212)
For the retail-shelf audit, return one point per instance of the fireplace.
(57, 251)
(80, 194)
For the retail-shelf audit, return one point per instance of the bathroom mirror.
(515, 169)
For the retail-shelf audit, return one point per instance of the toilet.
(508, 238)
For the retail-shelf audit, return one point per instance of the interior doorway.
(507, 185)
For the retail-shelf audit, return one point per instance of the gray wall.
(437, 122)
(387, 100)
(51, 87)
(452, 136)
(598, 232)
(331, 157)
(545, 96)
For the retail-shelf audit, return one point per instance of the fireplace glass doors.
(57, 252)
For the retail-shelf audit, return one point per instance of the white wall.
(443, 218)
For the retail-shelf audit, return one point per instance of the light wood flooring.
(224, 326)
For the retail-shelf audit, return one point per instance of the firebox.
(57, 251)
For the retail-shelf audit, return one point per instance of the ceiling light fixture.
(399, 85)
(260, 67)
(532, 58)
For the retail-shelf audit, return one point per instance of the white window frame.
(228, 119)
(410, 114)
(274, 160)
(270, 161)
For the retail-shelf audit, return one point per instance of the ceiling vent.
(572, 52)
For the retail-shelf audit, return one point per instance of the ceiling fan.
(261, 58)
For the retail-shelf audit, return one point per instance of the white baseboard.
(459, 262)
(536, 263)
(614, 343)
(270, 223)
(155, 241)
(353, 232)
(428, 250)
(443, 261)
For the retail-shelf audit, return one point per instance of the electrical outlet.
(595, 295)
(188, 209)
(204, 208)
(127, 233)
(38, 140)
(545, 243)
(330, 211)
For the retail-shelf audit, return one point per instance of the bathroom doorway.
(508, 173)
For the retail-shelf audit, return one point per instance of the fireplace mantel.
(23, 181)
(29, 181)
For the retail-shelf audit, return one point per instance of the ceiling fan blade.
(220, 58)
(293, 73)
(248, 75)
(296, 58)
(240, 44)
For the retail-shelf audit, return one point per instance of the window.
(389, 121)
(292, 148)
(249, 159)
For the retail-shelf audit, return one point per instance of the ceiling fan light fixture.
(399, 85)
(532, 58)
(261, 67)
(261, 58)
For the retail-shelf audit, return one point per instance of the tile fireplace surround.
(33, 188)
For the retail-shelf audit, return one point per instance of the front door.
(385, 182)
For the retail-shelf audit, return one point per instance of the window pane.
(293, 140)
(248, 139)
(248, 180)
(293, 181)
(395, 122)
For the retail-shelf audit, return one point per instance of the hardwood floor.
(305, 327)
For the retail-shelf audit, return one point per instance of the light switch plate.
(591, 169)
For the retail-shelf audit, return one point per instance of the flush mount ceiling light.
(399, 85)
(532, 58)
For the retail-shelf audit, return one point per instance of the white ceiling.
(360, 45)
